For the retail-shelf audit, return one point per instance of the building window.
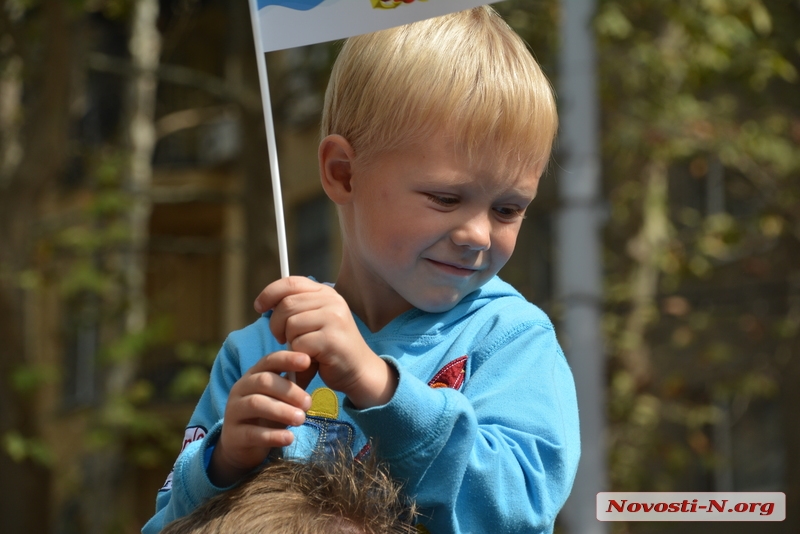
(749, 446)
(184, 287)
(81, 341)
(313, 239)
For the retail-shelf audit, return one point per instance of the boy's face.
(425, 227)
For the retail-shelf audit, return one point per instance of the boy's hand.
(316, 320)
(260, 406)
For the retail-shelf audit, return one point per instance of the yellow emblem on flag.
(390, 4)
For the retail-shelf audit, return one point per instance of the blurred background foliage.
(700, 165)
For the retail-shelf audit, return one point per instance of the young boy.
(435, 136)
(322, 496)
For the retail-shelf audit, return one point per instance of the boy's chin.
(442, 304)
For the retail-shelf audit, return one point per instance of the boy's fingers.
(292, 313)
(271, 411)
(263, 436)
(256, 437)
(278, 290)
(313, 343)
(264, 379)
(280, 362)
(277, 387)
(286, 325)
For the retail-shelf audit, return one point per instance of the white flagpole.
(271, 145)
(272, 149)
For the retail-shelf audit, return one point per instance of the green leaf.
(190, 382)
(20, 448)
(29, 378)
(762, 21)
(611, 21)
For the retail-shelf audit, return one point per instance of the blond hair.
(467, 74)
(317, 496)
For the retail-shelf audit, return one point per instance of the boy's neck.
(377, 307)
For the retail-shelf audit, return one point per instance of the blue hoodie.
(482, 430)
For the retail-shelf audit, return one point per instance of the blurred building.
(211, 248)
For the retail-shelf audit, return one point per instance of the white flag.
(291, 23)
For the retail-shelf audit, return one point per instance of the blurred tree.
(105, 466)
(75, 168)
(34, 154)
(700, 163)
(701, 166)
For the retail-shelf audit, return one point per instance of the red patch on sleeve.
(451, 375)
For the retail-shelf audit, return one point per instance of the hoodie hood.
(430, 328)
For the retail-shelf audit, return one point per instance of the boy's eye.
(508, 213)
(447, 202)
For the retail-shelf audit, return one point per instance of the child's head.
(467, 74)
(435, 135)
(317, 496)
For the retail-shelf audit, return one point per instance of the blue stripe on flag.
(300, 5)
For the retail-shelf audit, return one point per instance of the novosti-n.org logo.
(691, 506)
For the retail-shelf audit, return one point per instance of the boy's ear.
(335, 167)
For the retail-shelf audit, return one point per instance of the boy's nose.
(474, 233)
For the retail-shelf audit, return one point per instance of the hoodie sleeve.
(498, 456)
(188, 486)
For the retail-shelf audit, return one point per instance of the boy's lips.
(454, 268)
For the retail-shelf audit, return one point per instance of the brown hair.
(465, 74)
(318, 496)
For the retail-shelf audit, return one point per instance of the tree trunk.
(647, 248)
(104, 502)
(24, 179)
